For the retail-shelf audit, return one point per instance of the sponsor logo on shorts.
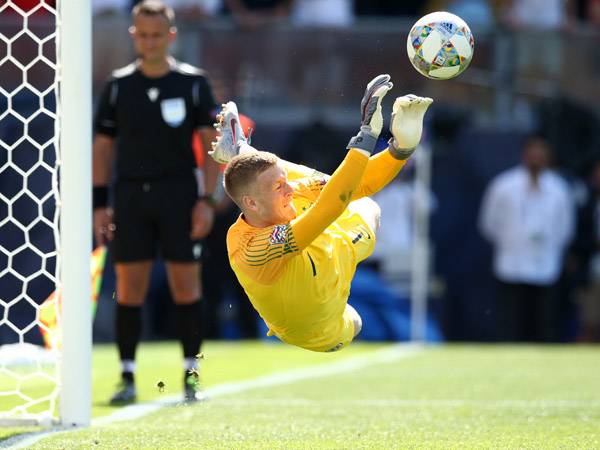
(335, 348)
(360, 235)
(357, 238)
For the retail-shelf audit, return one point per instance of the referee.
(144, 123)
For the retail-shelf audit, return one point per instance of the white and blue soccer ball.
(440, 45)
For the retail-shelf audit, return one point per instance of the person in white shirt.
(322, 13)
(528, 215)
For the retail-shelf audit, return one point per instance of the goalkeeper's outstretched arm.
(407, 127)
(340, 188)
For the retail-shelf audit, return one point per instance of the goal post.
(45, 210)
(74, 108)
(420, 258)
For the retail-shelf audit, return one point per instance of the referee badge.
(173, 111)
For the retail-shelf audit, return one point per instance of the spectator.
(539, 53)
(195, 9)
(307, 144)
(477, 13)
(252, 14)
(528, 216)
(109, 24)
(392, 254)
(409, 8)
(322, 13)
(150, 109)
(589, 236)
(109, 7)
(593, 12)
(28, 5)
(537, 14)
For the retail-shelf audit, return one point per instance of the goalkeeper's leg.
(356, 319)
(369, 210)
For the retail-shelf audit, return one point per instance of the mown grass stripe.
(383, 356)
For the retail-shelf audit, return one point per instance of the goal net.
(44, 228)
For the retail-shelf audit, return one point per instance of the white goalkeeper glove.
(407, 124)
(371, 120)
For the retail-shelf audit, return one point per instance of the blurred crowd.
(253, 13)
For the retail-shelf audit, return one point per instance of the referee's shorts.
(155, 217)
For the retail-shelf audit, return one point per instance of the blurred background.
(298, 69)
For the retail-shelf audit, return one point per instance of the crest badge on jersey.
(173, 111)
(153, 93)
(279, 234)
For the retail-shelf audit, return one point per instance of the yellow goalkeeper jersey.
(300, 294)
(297, 275)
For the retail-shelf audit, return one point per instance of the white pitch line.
(385, 355)
(412, 403)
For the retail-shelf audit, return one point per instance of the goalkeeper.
(301, 234)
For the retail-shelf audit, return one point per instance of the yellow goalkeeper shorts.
(359, 232)
(343, 339)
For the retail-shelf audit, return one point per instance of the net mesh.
(29, 199)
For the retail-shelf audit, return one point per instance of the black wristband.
(100, 197)
(208, 199)
(400, 154)
(363, 141)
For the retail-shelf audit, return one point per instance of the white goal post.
(420, 257)
(63, 204)
(75, 118)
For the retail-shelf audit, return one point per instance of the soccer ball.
(440, 45)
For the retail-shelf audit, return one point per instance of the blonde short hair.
(242, 171)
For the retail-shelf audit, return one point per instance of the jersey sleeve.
(332, 194)
(381, 169)
(262, 256)
(105, 120)
(310, 187)
(334, 197)
(297, 171)
(204, 102)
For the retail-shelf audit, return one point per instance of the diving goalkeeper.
(301, 234)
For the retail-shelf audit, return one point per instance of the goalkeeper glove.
(407, 124)
(371, 120)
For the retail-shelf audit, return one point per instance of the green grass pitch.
(451, 396)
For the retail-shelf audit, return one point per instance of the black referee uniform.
(153, 120)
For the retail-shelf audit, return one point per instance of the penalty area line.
(385, 355)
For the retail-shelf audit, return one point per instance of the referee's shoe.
(191, 386)
(126, 392)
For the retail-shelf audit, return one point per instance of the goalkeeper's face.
(272, 197)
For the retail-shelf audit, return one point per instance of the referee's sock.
(129, 327)
(188, 325)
